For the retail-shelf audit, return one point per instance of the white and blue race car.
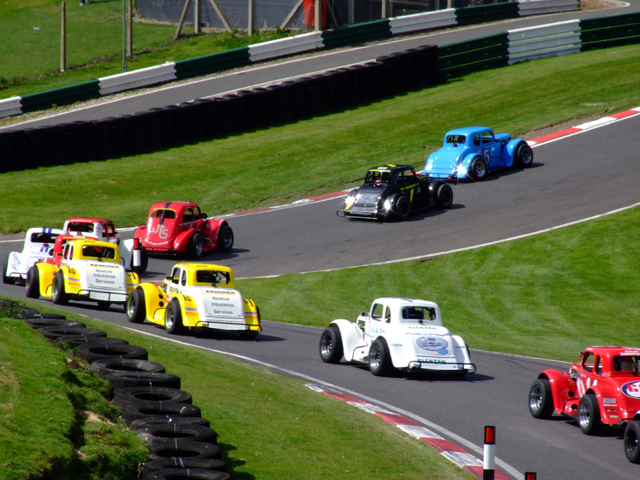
(474, 152)
(37, 244)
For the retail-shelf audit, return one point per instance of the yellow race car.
(89, 270)
(195, 296)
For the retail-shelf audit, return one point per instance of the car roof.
(202, 266)
(91, 241)
(102, 221)
(57, 231)
(390, 166)
(178, 206)
(611, 350)
(468, 130)
(405, 302)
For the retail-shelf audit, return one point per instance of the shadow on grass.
(233, 463)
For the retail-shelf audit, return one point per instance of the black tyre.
(60, 330)
(225, 238)
(5, 278)
(173, 317)
(196, 245)
(331, 349)
(478, 169)
(37, 323)
(589, 415)
(541, 399)
(58, 295)
(133, 411)
(150, 394)
(8, 303)
(379, 357)
(444, 196)
(631, 437)
(75, 340)
(25, 312)
(106, 366)
(197, 433)
(49, 316)
(168, 420)
(97, 351)
(182, 449)
(524, 155)
(120, 380)
(402, 208)
(32, 285)
(136, 307)
(202, 463)
(191, 474)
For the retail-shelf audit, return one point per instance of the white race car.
(397, 333)
(37, 244)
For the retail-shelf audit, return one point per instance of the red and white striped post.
(530, 475)
(136, 255)
(489, 461)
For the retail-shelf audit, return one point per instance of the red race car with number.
(177, 228)
(602, 389)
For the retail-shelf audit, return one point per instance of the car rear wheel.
(524, 155)
(33, 283)
(379, 357)
(136, 308)
(631, 436)
(589, 415)
(444, 196)
(541, 399)
(331, 345)
(225, 238)
(173, 317)
(478, 169)
(196, 245)
(58, 295)
(6, 279)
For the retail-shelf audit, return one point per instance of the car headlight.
(349, 200)
(387, 204)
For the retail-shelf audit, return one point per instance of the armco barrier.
(285, 46)
(474, 55)
(10, 106)
(540, 7)
(60, 96)
(486, 13)
(422, 21)
(561, 38)
(610, 31)
(238, 57)
(138, 78)
(361, 32)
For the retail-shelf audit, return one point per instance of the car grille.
(367, 200)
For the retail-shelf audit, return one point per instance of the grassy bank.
(327, 153)
(268, 426)
(548, 296)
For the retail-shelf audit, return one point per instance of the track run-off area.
(581, 174)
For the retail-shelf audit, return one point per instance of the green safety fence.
(486, 13)
(238, 57)
(610, 31)
(473, 55)
(361, 32)
(61, 96)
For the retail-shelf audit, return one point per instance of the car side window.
(587, 361)
(183, 281)
(376, 312)
(188, 215)
(175, 276)
(476, 141)
(598, 366)
(387, 314)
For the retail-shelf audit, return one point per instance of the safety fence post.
(489, 463)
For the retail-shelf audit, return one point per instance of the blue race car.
(474, 152)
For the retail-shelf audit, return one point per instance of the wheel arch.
(559, 382)
(181, 242)
(351, 334)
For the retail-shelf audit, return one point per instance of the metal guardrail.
(138, 78)
(540, 7)
(285, 46)
(362, 32)
(556, 39)
(10, 106)
(423, 21)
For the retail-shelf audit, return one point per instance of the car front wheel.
(444, 196)
(631, 437)
(331, 345)
(589, 414)
(541, 399)
(524, 155)
(225, 238)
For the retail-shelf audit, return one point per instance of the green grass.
(54, 421)
(548, 296)
(324, 154)
(31, 58)
(268, 426)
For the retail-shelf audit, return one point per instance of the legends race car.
(397, 333)
(393, 192)
(105, 230)
(474, 152)
(181, 228)
(195, 296)
(603, 388)
(89, 270)
(37, 245)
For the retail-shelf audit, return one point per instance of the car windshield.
(626, 365)
(456, 138)
(418, 314)
(378, 176)
(97, 251)
(163, 213)
(212, 277)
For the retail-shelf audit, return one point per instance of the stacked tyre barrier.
(206, 119)
(182, 444)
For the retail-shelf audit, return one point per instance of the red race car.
(602, 389)
(181, 228)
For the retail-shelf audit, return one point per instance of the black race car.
(393, 192)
